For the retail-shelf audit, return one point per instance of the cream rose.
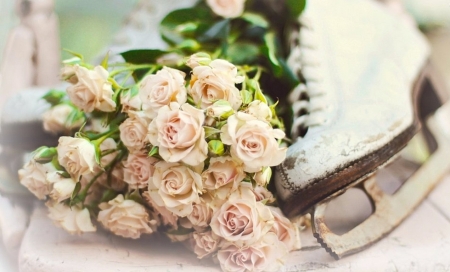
(215, 82)
(138, 170)
(56, 119)
(167, 217)
(73, 219)
(33, 176)
(262, 194)
(62, 187)
(204, 243)
(241, 219)
(130, 101)
(262, 178)
(201, 214)
(76, 155)
(253, 142)
(133, 131)
(227, 8)
(68, 73)
(179, 134)
(222, 171)
(198, 59)
(92, 91)
(126, 218)
(162, 88)
(286, 232)
(221, 109)
(268, 254)
(260, 110)
(175, 187)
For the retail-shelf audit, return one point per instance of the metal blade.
(389, 210)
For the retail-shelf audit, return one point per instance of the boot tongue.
(364, 54)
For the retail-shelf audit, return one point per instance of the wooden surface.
(421, 243)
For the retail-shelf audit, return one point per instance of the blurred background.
(85, 26)
(88, 27)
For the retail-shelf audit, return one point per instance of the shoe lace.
(307, 98)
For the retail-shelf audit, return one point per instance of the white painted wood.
(31, 56)
(420, 243)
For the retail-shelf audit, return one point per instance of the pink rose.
(167, 217)
(241, 219)
(222, 171)
(267, 254)
(254, 142)
(162, 88)
(76, 155)
(133, 131)
(175, 187)
(92, 91)
(285, 230)
(179, 134)
(215, 82)
(72, 219)
(139, 170)
(33, 176)
(126, 218)
(201, 214)
(204, 243)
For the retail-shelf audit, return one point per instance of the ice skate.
(367, 90)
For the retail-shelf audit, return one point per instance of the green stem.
(131, 68)
(84, 193)
(258, 74)
(105, 136)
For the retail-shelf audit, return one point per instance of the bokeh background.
(88, 26)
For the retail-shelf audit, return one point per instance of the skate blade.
(388, 210)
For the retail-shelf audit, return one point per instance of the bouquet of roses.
(179, 142)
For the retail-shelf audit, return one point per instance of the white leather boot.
(362, 72)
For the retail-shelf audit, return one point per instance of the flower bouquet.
(178, 141)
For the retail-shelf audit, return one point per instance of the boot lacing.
(307, 98)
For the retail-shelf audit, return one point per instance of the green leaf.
(258, 92)
(287, 75)
(189, 44)
(270, 46)
(187, 28)
(209, 131)
(169, 27)
(295, 7)
(74, 116)
(154, 152)
(246, 97)
(73, 53)
(98, 154)
(105, 61)
(136, 197)
(142, 56)
(76, 190)
(45, 154)
(218, 31)
(108, 195)
(54, 97)
(64, 174)
(241, 53)
(255, 19)
(72, 61)
(216, 147)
